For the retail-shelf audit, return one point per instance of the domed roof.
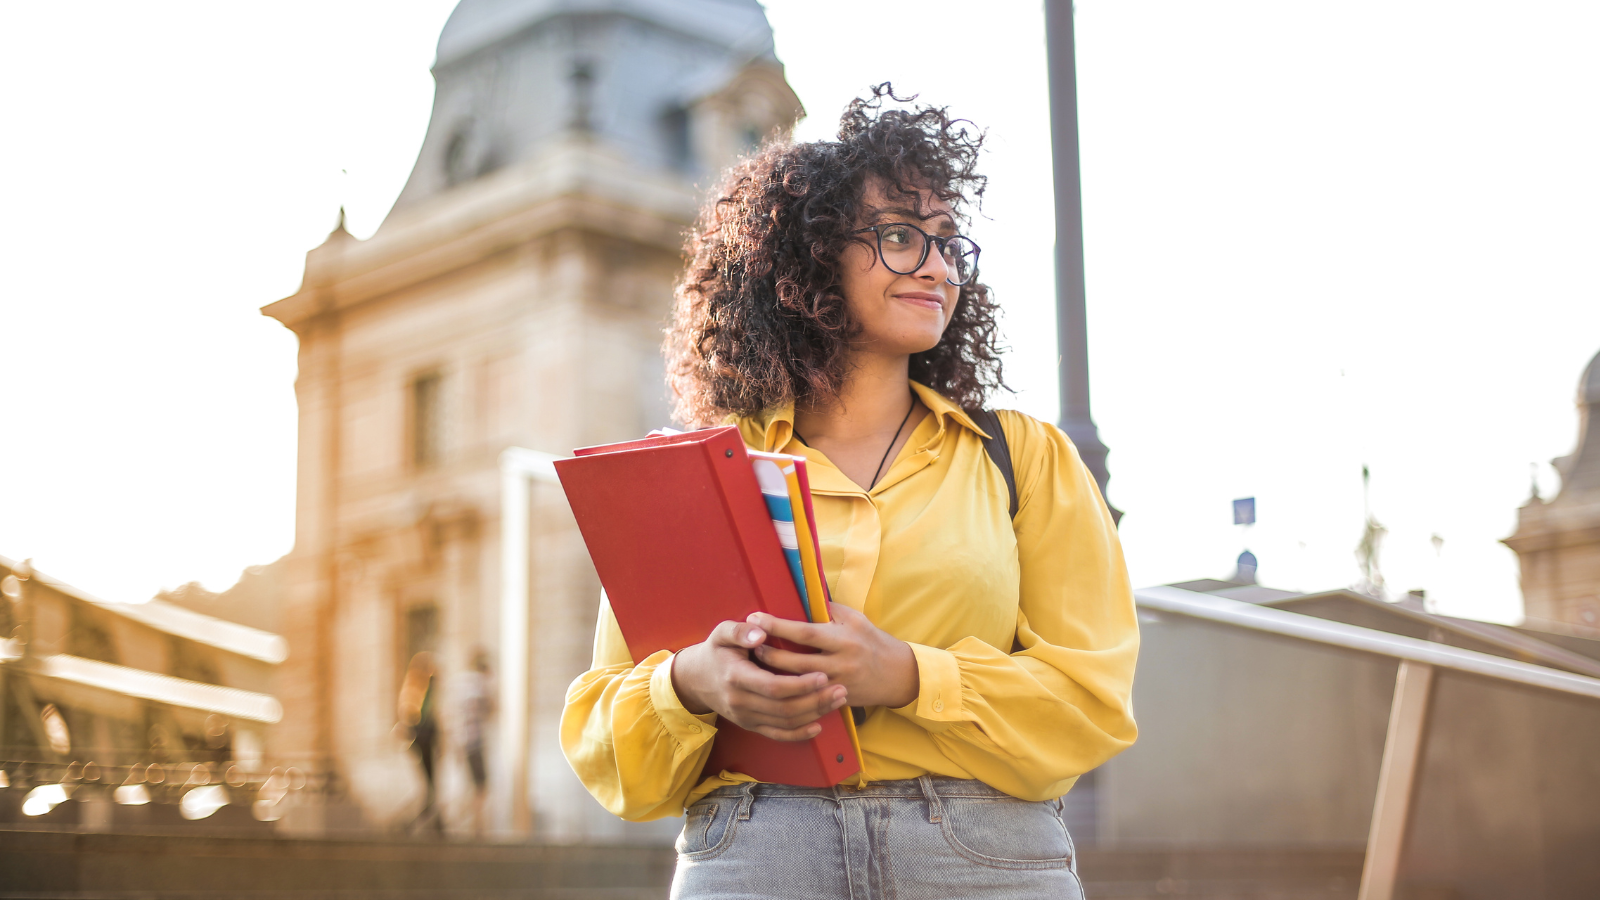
(1580, 470)
(514, 75)
(475, 24)
(1589, 384)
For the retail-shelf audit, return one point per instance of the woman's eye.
(898, 235)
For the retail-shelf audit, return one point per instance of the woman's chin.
(906, 345)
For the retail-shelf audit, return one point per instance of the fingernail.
(755, 636)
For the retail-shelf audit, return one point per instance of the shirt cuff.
(938, 703)
(690, 730)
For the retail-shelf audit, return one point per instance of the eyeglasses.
(903, 254)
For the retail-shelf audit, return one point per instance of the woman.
(831, 310)
(419, 718)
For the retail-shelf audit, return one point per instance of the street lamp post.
(1072, 333)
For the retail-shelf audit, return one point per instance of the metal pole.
(1072, 332)
(1397, 780)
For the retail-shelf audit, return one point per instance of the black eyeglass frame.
(928, 240)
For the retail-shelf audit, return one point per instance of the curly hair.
(760, 317)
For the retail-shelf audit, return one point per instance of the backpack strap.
(999, 451)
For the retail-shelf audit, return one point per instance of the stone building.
(128, 706)
(514, 297)
(1558, 540)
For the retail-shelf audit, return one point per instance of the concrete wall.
(1254, 741)
(1247, 738)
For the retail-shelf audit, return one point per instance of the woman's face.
(899, 314)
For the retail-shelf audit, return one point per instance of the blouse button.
(695, 728)
(938, 706)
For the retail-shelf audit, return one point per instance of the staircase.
(70, 865)
(1271, 873)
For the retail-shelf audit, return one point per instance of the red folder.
(683, 541)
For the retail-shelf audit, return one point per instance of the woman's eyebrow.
(911, 214)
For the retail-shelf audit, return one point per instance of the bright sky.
(1319, 235)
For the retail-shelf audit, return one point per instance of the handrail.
(1352, 637)
(130, 682)
(1527, 648)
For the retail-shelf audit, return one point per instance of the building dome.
(1589, 384)
(1580, 470)
(514, 77)
(477, 24)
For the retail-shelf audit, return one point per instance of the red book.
(683, 541)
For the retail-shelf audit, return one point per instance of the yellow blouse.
(1024, 631)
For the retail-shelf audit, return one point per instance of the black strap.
(999, 451)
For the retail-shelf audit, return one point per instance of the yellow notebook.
(816, 586)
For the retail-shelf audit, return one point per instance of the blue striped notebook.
(775, 490)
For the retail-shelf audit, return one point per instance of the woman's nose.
(935, 267)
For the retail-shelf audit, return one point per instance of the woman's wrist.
(684, 670)
(903, 676)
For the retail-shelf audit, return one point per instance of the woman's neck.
(857, 431)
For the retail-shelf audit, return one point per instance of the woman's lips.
(917, 298)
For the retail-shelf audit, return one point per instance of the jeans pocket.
(708, 828)
(1006, 834)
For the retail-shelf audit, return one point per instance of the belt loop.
(748, 800)
(935, 805)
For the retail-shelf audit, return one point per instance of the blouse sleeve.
(626, 734)
(1030, 721)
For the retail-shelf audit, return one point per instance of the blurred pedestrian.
(475, 705)
(417, 712)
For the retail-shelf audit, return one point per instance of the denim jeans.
(897, 840)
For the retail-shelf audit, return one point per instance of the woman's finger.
(792, 712)
(737, 634)
(822, 637)
(844, 615)
(798, 663)
(752, 721)
(748, 677)
(804, 733)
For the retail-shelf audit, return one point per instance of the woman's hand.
(876, 668)
(716, 675)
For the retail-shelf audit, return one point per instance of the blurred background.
(1339, 260)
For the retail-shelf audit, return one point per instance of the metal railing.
(1367, 640)
(1408, 711)
(198, 787)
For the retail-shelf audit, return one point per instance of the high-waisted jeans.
(893, 840)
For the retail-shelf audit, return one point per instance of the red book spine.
(682, 540)
(826, 759)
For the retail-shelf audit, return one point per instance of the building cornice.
(177, 621)
(1550, 526)
(573, 184)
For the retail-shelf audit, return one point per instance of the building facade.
(514, 297)
(128, 708)
(1558, 540)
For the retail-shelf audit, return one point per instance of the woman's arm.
(630, 741)
(1030, 721)
(635, 744)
